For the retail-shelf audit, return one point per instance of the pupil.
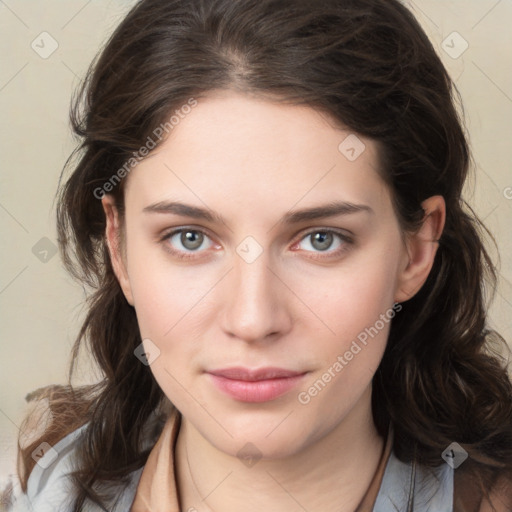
(191, 239)
(322, 241)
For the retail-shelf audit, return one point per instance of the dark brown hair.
(368, 65)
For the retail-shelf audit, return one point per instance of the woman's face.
(263, 259)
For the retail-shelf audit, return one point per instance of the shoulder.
(501, 496)
(49, 487)
(468, 498)
(411, 486)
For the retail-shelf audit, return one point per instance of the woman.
(287, 298)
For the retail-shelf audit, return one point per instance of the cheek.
(360, 313)
(165, 294)
(173, 311)
(169, 308)
(353, 296)
(355, 302)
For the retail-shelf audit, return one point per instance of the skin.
(252, 161)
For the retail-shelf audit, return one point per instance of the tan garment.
(468, 498)
(157, 490)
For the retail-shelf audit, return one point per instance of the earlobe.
(421, 249)
(113, 239)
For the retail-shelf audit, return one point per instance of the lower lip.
(256, 391)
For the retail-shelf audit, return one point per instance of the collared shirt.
(396, 486)
(157, 489)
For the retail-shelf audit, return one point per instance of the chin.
(255, 447)
(267, 438)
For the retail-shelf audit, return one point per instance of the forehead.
(235, 149)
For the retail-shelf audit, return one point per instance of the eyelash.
(181, 254)
(346, 240)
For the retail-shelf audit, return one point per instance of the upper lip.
(247, 374)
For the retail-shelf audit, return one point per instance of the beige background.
(40, 305)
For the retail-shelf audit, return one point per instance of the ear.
(421, 249)
(113, 239)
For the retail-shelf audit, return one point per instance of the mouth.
(255, 385)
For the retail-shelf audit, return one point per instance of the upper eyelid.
(173, 231)
(337, 231)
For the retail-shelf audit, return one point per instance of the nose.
(256, 307)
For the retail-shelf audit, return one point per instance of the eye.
(324, 241)
(184, 242)
(191, 240)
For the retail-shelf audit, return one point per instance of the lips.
(255, 375)
(255, 385)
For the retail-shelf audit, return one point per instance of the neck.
(332, 474)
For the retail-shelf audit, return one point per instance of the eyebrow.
(329, 210)
(292, 217)
(185, 210)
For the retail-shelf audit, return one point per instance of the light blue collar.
(405, 487)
